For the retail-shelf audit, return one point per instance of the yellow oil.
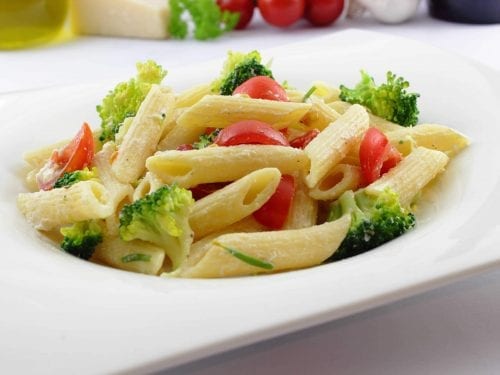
(26, 23)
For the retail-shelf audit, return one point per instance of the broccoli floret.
(238, 68)
(389, 100)
(376, 219)
(70, 178)
(162, 218)
(124, 100)
(81, 239)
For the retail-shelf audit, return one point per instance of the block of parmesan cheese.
(125, 18)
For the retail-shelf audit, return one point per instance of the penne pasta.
(298, 248)
(145, 132)
(333, 143)
(409, 177)
(341, 178)
(233, 202)
(219, 111)
(47, 210)
(193, 167)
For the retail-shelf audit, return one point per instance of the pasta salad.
(239, 176)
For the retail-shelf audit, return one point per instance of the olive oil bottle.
(26, 23)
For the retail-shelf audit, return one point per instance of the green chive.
(136, 257)
(247, 258)
(308, 93)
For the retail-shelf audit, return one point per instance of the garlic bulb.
(387, 11)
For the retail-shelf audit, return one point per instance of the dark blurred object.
(466, 11)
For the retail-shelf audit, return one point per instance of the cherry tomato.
(185, 147)
(303, 140)
(76, 155)
(250, 132)
(374, 151)
(262, 87)
(243, 7)
(274, 212)
(281, 13)
(323, 12)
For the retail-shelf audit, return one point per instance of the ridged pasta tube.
(47, 210)
(298, 248)
(221, 164)
(333, 143)
(233, 202)
(411, 174)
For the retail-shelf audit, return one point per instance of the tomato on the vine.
(244, 7)
(262, 87)
(323, 12)
(281, 13)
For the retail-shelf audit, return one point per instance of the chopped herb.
(208, 19)
(136, 257)
(206, 139)
(309, 93)
(247, 258)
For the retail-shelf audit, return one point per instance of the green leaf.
(309, 93)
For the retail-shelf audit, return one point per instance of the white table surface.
(453, 329)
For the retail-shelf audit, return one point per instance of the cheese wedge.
(123, 18)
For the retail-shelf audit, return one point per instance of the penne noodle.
(414, 172)
(143, 136)
(298, 248)
(219, 111)
(333, 143)
(47, 210)
(193, 167)
(233, 202)
(341, 178)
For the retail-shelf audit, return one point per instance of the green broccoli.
(162, 218)
(81, 239)
(124, 100)
(70, 178)
(376, 219)
(238, 68)
(389, 100)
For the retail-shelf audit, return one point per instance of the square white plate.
(60, 314)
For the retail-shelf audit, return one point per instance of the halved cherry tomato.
(250, 132)
(262, 87)
(375, 151)
(281, 13)
(323, 12)
(303, 140)
(244, 7)
(274, 212)
(76, 155)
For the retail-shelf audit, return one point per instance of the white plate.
(60, 314)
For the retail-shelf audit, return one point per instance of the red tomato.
(76, 155)
(250, 132)
(374, 151)
(262, 87)
(323, 12)
(243, 7)
(202, 190)
(281, 13)
(303, 140)
(274, 212)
